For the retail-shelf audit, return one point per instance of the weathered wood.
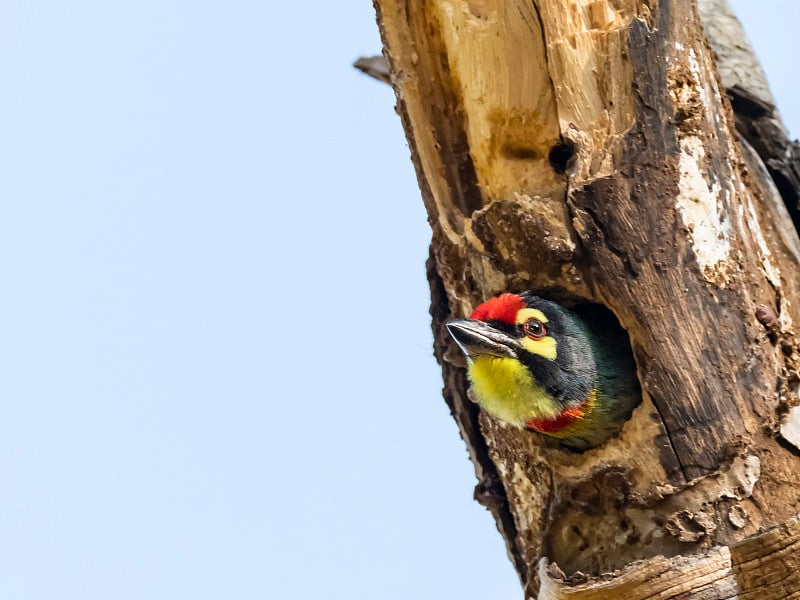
(767, 566)
(757, 117)
(586, 150)
(764, 567)
(704, 577)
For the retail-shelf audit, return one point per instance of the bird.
(536, 365)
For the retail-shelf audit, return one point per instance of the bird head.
(530, 361)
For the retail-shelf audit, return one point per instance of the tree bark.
(587, 150)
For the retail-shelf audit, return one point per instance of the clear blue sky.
(217, 378)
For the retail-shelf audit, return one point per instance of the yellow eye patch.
(545, 347)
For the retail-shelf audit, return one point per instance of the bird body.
(534, 364)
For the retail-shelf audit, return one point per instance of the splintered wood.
(586, 150)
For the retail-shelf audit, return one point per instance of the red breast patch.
(565, 419)
(500, 308)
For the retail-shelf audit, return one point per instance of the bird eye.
(534, 328)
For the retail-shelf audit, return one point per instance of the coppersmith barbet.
(534, 364)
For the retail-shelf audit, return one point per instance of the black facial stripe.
(561, 384)
(572, 375)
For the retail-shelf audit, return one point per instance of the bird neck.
(563, 424)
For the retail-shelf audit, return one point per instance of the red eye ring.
(534, 328)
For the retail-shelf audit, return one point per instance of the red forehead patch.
(500, 308)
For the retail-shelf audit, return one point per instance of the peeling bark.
(587, 150)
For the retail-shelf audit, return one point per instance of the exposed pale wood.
(586, 150)
(763, 567)
(705, 577)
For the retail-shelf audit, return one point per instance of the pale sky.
(218, 380)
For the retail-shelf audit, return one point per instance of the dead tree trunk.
(586, 149)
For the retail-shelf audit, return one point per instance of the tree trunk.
(587, 150)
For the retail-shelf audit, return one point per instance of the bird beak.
(476, 338)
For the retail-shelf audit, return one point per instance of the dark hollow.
(561, 155)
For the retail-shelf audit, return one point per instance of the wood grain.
(587, 150)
